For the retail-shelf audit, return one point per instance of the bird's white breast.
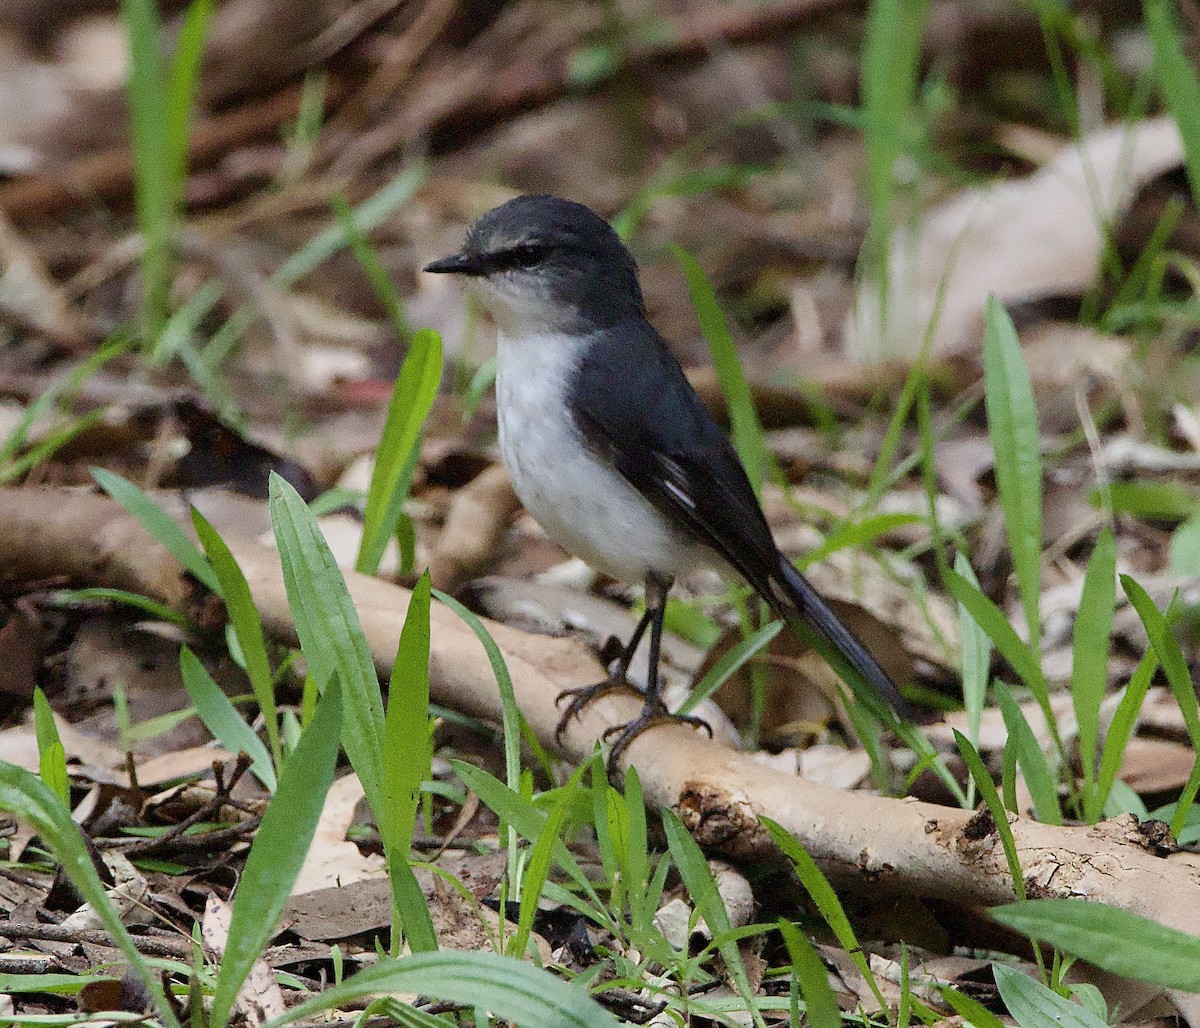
(584, 505)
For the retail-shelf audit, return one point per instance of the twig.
(26, 965)
(94, 937)
(109, 174)
(629, 1007)
(172, 838)
(216, 839)
(466, 96)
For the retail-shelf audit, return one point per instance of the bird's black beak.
(464, 263)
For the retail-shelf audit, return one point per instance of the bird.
(611, 450)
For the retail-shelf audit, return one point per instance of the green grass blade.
(175, 339)
(52, 757)
(926, 451)
(381, 282)
(279, 848)
(1157, 501)
(702, 890)
(28, 798)
(1174, 664)
(820, 1005)
(1180, 87)
(508, 988)
(146, 94)
(1031, 758)
(976, 665)
(991, 619)
(1119, 733)
(1032, 1005)
(1089, 666)
(991, 798)
(483, 380)
(1008, 775)
(407, 757)
(686, 619)
(928, 758)
(247, 626)
(301, 136)
(1013, 427)
(828, 905)
(368, 215)
(892, 127)
(412, 400)
(1184, 549)
(221, 718)
(537, 868)
(520, 814)
(371, 213)
(1184, 805)
(153, 727)
(891, 53)
(158, 611)
(182, 82)
(388, 1010)
(1170, 656)
(637, 849)
(887, 470)
(63, 388)
(331, 636)
(407, 744)
(857, 533)
(56, 439)
(748, 438)
(54, 984)
(730, 663)
(608, 822)
(156, 521)
(970, 1010)
(511, 720)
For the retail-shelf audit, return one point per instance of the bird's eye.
(527, 255)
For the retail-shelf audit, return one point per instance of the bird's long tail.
(790, 594)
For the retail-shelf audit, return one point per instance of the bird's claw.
(654, 712)
(583, 695)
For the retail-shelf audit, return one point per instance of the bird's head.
(540, 263)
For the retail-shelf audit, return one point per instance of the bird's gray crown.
(556, 251)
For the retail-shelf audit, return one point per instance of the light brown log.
(865, 841)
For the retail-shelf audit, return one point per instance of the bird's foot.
(585, 694)
(654, 712)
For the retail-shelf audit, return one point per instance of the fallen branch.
(159, 946)
(469, 91)
(108, 174)
(889, 845)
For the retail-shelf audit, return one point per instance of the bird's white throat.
(585, 505)
(519, 308)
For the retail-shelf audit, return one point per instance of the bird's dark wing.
(665, 443)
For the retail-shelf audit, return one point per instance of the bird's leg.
(615, 682)
(654, 711)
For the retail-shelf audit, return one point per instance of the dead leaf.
(30, 296)
(326, 915)
(129, 894)
(331, 860)
(1153, 766)
(21, 643)
(260, 998)
(1034, 237)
